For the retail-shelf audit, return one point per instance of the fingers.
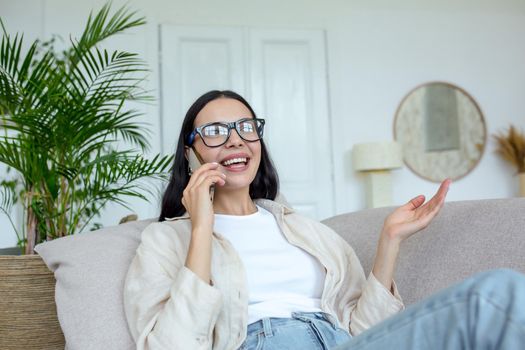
(415, 215)
(203, 172)
(193, 195)
(434, 205)
(212, 180)
(431, 207)
(216, 176)
(439, 198)
(204, 182)
(415, 202)
(443, 189)
(200, 182)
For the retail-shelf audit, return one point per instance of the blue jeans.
(486, 311)
(304, 330)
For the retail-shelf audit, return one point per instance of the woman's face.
(239, 174)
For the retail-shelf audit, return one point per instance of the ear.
(186, 151)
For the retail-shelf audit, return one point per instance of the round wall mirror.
(441, 131)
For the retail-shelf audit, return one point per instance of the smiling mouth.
(236, 163)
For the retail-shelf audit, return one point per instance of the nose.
(234, 140)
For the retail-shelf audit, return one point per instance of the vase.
(27, 305)
(521, 177)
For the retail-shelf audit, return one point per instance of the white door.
(289, 87)
(195, 60)
(282, 73)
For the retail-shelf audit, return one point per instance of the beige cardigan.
(169, 307)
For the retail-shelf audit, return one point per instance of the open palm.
(414, 215)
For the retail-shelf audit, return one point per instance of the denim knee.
(499, 281)
(503, 276)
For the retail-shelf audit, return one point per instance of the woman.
(246, 271)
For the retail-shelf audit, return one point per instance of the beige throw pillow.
(90, 269)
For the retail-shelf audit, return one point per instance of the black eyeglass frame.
(230, 125)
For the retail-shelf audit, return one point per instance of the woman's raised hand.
(414, 215)
(196, 195)
(401, 224)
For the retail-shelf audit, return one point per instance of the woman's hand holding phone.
(196, 199)
(196, 195)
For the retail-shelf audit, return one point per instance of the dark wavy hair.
(264, 185)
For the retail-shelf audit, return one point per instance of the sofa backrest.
(466, 237)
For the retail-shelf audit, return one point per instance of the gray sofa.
(466, 237)
(89, 268)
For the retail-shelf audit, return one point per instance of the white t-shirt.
(281, 277)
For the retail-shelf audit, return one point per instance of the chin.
(236, 184)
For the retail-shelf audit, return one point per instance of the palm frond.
(102, 83)
(100, 26)
(11, 154)
(8, 199)
(115, 175)
(13, 69)
(8, 195)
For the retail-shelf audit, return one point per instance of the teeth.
(234, 160)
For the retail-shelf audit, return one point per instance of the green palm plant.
(62, 114)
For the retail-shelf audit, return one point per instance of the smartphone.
(195, 160)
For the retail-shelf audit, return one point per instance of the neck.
(233, 202)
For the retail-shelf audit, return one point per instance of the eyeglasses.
(217, 133)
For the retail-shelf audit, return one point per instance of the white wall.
(381, 55)
(377, 52)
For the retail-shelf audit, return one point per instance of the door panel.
(288, 84)
(195, 60)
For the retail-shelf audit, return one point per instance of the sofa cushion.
(90, 269)
(466, 237)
